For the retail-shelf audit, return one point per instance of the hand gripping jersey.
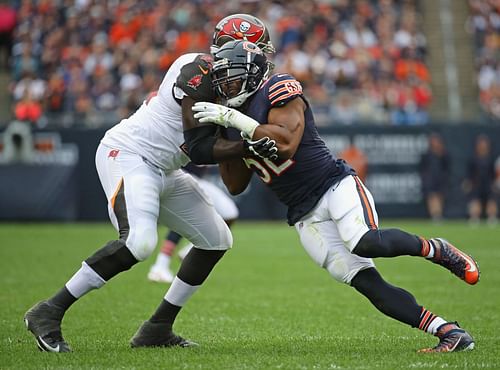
(301, 181)
(155, 130)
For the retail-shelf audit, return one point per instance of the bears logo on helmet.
(241, 62)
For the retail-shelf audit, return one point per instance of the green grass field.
(265, 306)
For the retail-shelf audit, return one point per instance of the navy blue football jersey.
(301, 181)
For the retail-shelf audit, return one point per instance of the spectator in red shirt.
(28, 109)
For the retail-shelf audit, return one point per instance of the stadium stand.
(92, 62)
(484, 24)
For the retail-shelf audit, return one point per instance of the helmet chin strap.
(237, 101)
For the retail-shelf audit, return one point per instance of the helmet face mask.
(238, 71)
(242, 27)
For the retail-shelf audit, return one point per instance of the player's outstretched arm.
(236, 175)
(285, 123)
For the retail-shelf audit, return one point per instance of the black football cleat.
(152, 334)
(451, 339)
(459, 263)
(43, 320)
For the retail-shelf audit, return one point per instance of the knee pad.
(111, 259)
(372, 239)
(344, 268)
(142, 241)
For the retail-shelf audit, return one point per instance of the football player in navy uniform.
(331, 209)
(138, 162)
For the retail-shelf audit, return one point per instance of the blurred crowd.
(484, 24)
(92, 62)
(481, 184)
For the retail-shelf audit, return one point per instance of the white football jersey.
(155, 131)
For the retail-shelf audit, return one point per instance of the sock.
(165, 313)
(428, 248)
(163, 261)
(430, 322)
(179, 292)
(177, 295)
(62, 299)
(193, 272)
(83, 281)
(168, 248)
(174, 237)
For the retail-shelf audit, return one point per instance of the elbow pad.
(200, 144)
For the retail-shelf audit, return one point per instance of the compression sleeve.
(200, 143)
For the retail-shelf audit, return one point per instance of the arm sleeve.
(200, 143)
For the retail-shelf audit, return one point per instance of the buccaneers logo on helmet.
(242, 27)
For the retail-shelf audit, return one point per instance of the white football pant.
(153, 196)
(334, 227)
(223, 203)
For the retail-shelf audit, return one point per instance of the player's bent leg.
(388, 243)
(133, 204)
(388, 299)
(402, 306)
(393, 242)
(322, 242)
(187, 210)
(110, 260)
(157, 331)
(352, 208)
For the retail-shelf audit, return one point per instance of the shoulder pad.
(282, 88)
(195, 79)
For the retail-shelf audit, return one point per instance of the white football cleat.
(160, 275)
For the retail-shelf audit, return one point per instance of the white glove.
(225, 116)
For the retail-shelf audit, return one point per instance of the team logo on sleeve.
(195, 82)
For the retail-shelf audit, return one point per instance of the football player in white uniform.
(232, 27)
(138, 162)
